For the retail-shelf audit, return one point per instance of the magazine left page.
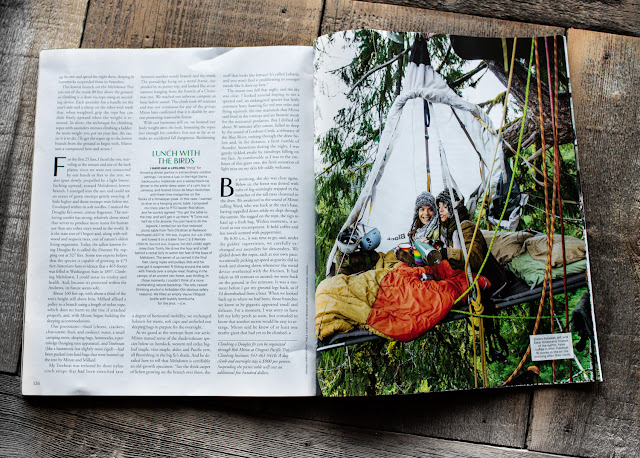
(171, 233)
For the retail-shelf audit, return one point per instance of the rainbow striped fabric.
(416, 255)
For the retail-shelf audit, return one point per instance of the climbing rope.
(556, 152)
(504, 208)
(556, 185)
(550, 227)
(478, 307)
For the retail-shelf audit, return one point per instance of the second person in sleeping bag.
(452, 249)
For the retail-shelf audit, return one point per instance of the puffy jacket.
(492, 269)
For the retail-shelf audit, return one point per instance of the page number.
(36, 383)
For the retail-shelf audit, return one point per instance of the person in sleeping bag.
(451, 248)
(424, 227)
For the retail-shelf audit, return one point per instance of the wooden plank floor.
(584, 420)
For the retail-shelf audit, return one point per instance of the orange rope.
(556, 185)
(547, 274)
(556, 151)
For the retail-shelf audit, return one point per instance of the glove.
(483, 282)
(405, 257)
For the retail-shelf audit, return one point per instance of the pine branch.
(340, 159)
(491, 103)
(444, 60)
(464, 78)
(379, 67)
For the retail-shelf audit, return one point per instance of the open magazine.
(367, 216)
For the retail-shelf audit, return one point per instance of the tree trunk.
(532, 123)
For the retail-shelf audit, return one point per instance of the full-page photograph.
(451, 251)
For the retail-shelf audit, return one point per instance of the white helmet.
(348, 240)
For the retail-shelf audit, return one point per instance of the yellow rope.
(473, 337)
(505, 53)
(475, 231)
(513, 175)
(484, 124)
(478, 308)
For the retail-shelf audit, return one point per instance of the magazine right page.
(451, 251)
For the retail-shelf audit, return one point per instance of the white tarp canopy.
(399, 172)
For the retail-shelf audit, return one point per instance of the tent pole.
(446, 175)
(427, 122)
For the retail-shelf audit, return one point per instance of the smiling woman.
(476, 248)
(424, 226)
(425, 213)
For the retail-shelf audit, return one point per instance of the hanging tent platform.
(518, 292)
(431, 135)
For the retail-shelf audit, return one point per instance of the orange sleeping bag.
(406, 307)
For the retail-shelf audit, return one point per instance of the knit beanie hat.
(425, 199)
(444, 197)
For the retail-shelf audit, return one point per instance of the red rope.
(547, 274)
(556, 183)
(556, 151)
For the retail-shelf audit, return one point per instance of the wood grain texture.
(115, 427)
(192, 23)
(25, 29)
(495, 416)
(603, 420)
(614, 16)
(591, 420)
(346, 14)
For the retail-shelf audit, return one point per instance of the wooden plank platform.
(583, 420)
(25, 29)
(619, 17)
